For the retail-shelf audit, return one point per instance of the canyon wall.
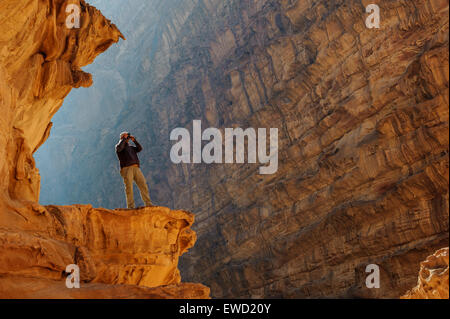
(362, 116)
(126, 254)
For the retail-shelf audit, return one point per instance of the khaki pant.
(130, 174)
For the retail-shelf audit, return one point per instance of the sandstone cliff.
(433, 278)
(363, 121)
(120, 253)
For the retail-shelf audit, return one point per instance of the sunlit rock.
(433, 278)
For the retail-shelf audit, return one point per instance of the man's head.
(124, 135)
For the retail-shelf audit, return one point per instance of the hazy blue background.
(96, 115)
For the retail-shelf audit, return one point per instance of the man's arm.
(138, 146)
(121, 145)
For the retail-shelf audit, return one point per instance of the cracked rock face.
(121, 254)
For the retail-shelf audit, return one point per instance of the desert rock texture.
(363, 127)
(363, 121)
(362, 116)
(120, 253)
(124, 254)
(433, 278)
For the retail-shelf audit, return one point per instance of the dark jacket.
(128, 154)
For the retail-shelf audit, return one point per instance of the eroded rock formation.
(433, 278)
(116, 251)
(40, 62)
(120, 253)
(363, 122)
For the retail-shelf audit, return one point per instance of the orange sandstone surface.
(121, 253)
(433, 278)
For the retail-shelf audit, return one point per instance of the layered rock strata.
(362, 116)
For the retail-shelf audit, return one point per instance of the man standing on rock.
(130, 170)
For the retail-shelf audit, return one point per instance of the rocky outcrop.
(116, 251)
(132, 253)
(433, 278)
(363, 122)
